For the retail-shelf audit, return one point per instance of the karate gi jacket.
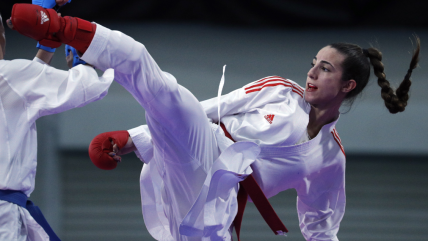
(272, 113)
(28, 91)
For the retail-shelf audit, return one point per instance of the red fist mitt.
(45, 26)
(101, 145)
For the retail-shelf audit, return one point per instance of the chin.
(308, 98)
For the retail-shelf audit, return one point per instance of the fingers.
(115, 157)
(9, 23)
(113, 154)
(115, 149)
(69, 59)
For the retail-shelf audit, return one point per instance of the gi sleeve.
(256, 94)
(143, 142)
(47, 90)
(320, 219)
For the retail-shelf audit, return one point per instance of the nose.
(312, 73)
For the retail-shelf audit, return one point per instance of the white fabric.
(184, 144)
(17, 224)
(315, 168)
(28, 91)
(36, 59)
(304, 138)
(188, 188)
(273, 113)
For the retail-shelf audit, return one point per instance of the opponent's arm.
(47, 90)
(44, 56)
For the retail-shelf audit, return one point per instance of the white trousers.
(184, 143)
(17, 224)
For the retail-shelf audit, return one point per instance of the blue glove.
(76, 58)
(39, 46)
(46, 4)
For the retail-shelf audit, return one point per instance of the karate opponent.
(285, 134)
(28, 91)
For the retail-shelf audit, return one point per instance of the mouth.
(311, 87)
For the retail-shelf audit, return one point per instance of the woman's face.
(324, 85)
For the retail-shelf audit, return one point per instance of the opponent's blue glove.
(46, 4)
(76, 59)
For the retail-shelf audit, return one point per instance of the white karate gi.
(189, 186)
(273, 113)
(28, 91)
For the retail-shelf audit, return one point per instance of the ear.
(349, 85)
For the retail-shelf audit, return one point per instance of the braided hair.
(356, 66)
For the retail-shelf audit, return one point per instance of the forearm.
(45, 56)
(142, 141)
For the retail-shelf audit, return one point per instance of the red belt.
(249, 187)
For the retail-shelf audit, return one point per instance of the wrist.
(48, 49)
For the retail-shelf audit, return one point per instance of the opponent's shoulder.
(275, 83)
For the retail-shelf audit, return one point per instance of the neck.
(318, 117)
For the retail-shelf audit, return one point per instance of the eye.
(312, 64)
(325, 69)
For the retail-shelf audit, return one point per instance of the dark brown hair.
(356, 66)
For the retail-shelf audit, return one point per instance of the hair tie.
(366, 52)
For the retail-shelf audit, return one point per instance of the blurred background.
(387, 155)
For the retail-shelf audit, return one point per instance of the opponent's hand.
(69, 58)
(72, 57)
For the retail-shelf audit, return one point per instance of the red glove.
(45, 26)
(101, 145)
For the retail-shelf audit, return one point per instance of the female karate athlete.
(28, 91)
(285, 134)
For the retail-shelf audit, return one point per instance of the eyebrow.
(325, 62)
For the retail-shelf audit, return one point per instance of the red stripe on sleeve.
(267, 85)
(297, 92)
(267, 80)
(269, 77)
(260, 84)
(338, 142)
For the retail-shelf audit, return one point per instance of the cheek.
(330, 88)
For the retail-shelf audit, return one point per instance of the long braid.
(395, 102)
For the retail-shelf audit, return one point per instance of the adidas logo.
(269, 118)
(44, 17)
